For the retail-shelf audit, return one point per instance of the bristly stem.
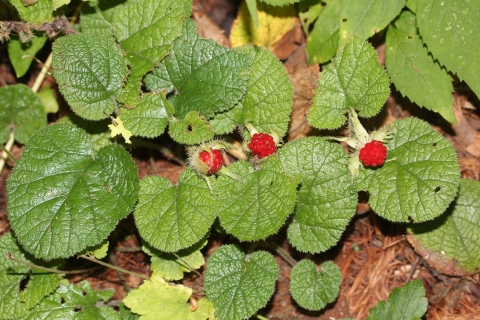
(9, 256)
(6, 151)
(282, 253)
(191, 269)
(90, 258)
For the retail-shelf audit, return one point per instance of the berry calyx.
(213, 160)
(262, 145)
(373, 154)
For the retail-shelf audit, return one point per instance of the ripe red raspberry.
(373, 153)
(262, 145)
(213, 165)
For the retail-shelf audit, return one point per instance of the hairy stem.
(191, 269)
(282, 253)
(90, 258)
(9, 256)
(6, 151)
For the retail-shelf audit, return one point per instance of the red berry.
(213, 165)
(373, 153)
(262, 145)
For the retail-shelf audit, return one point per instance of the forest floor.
(373, 255)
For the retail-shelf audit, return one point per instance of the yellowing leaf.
(118, 128)
(274, 22)
(155, 299)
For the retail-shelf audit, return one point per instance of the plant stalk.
(6, 151)
(141, 276)
(9, 256)
(282, 253)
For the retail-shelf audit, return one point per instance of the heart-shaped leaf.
(62, 198)
(171, 217)
(313, 289)
(256, 206)
(239, 285)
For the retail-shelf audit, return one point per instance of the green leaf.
(11, 273)
(21, 54)
(308, 12)
(258, 205)
(419, 178)
(451, 30)
(97, 131)
(99, 251)
(414, 72)
(364, 18)
(10, 304)
(40, 285)
(49, 101)
(353, 79)
(227, 121)
(155, 299)
(96, 18)
(84, 300)
(407, 302)
(58, 3)
(252, 8)
(171, 217)
(169, 267)
(150, 117)
(78, 198)
(89, 71)
(38, 13)
(322, 42)
(450, 242)
(268, 101)
(313, 289)
(145, 30)
(206, 77)
(21, 111)
(327, 199)
(191, 130)
(239, 285)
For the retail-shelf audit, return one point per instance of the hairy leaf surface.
(204, 76)
(239, 285)
(327, 198)
(407, 302)
(353, 79)
(313, 289)
(62, 198)
(89, 71)
(258, 205)
(171, 217)
(21, 112)
(419, 178)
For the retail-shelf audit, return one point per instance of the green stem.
(191, 269)
(6, 151)
(165, 151)
(260, 317)
(282, 253)
(141, 276)
(9, 256)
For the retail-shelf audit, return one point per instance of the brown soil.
(373, 255)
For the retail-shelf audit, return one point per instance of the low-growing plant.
(136, 67)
